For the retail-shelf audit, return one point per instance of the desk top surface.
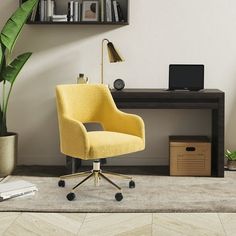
(159, 90)
(144, 94)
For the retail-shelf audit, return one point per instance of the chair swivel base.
(97, 174)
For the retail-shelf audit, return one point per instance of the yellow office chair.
(122, 133)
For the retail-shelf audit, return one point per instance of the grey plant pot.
(8, 153)
(231, 165)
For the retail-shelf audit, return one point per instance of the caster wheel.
(61, 183)
(70, 196)
(118, 197)
(131, 184)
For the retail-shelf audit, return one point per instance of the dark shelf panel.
(75, 23)
(61, 9)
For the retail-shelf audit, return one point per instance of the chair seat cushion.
(108, 144)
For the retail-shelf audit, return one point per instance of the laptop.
(186, 77)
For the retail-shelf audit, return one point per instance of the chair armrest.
(73, 137)
(126, 123)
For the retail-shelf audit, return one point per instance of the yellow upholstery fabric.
(108, 144)
(84, 103)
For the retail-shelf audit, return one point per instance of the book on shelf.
(53, 6)
(42, 6)
(59, 18)
(46, 9)
(50, 9)
(108, 11)
(120, 13)
(115, 11)
(16, 189)
(70, 10)
(102, 10)
(77, 11)
(34, 12)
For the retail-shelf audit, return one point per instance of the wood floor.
(122, 224)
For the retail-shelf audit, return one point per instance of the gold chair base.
(97, 174)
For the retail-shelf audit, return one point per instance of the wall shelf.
(62, 9)
(75, 23)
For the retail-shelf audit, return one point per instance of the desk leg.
(72, 164)
(218, 140)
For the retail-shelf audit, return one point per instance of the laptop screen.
(190, 77)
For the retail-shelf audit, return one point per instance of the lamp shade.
(114, 55)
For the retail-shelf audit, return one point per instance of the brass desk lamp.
(113, 55)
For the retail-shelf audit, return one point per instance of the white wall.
(160, 32)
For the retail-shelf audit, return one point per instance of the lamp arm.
(102, 61)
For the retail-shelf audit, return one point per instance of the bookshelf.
(61, 8)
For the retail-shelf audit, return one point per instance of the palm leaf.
(10, 72)
(1, 61)
(1, 57)
(14, 25)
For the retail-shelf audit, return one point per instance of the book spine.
(70, 10)
(108, 11)
(49, 10)
(120, 13)
(115, 11)
(76, 11)
(59, 16)
(33, 15)
(32, 18)
(102, 10)
(53, 7)
(42, 12)
(112, 12)
(59, 20)
(45, 10)
(79, 11)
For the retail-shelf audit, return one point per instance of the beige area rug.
(152, 194)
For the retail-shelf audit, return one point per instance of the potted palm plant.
(9, 70)
(231, 159)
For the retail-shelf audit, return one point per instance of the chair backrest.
(84, 102)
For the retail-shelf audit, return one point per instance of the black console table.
(212, 99)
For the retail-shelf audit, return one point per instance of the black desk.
(212, 99)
